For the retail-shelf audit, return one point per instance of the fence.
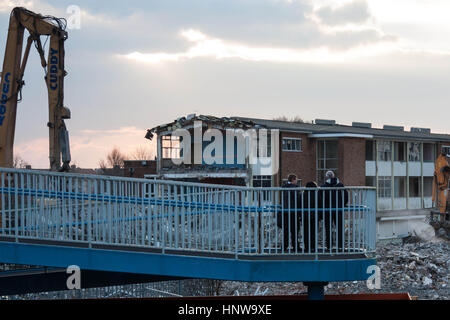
(186, 216)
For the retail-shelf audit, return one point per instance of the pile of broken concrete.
(414, 265)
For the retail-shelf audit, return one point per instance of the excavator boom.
(440, 183)
(12, 82)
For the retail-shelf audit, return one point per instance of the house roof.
(345, 129)
(390, 132)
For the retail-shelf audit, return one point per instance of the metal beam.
(192, 266)
(54, 279)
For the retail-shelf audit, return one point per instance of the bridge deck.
(181, 229)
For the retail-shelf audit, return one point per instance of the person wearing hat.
(287, 219)
(333, 203)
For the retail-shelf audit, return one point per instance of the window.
(445, 149)
(427, 186)
(327, 158)
(414, 151)
(265, 150)
(292, 144)
(399, 187)
(384, 151)
(400, 151)
(429, 152)
(171, 147)
(384, 187)
(414, 187)
(262, 181)
(370, 181)
(370, 150)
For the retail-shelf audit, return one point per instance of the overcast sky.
(136, 64)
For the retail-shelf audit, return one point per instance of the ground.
(409, 265)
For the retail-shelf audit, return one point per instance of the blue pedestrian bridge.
(173, 230)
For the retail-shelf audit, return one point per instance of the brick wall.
(352, 161)
(351, 154)
(137, 169)
(302, 164)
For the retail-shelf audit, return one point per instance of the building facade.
(399, 163)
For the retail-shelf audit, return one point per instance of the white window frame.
(289, 138)
(384, 191)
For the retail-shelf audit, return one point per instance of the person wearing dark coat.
(287, 221)
(333, 202)
(310, 217)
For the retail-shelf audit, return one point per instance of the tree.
(19, 162)
(114, 158)
(102, 164)
(296, 119)
(141, 153)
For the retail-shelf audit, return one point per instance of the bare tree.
(141, 153)
(19, 162)
(102, 164)
(114, 158)
(296, 119)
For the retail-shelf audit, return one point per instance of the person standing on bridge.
(334, 202)
(287, 221)
(309, 216)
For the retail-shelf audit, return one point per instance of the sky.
(133, 65)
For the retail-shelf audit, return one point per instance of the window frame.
(261, 178)
(295, 139)
(321, 162)
(387, 191)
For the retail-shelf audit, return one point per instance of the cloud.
(8, 5)
(204, 46)
(355, 12)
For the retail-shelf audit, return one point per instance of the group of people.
(303, 209)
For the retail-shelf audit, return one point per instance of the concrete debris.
(423, 231)
(417, 267)
(427, 281)
(442, 229)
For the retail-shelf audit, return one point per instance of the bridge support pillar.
(316, 290)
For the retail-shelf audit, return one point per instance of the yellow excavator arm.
(12, 82)
(440, 183)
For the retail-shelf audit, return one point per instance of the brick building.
(399, 163)
(131, 168)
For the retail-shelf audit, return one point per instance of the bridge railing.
(186, 216)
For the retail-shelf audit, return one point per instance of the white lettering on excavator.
(53, 81)
(4, 97)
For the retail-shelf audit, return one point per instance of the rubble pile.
(442, 229)
(410, 265)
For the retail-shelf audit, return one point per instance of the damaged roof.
(389, 132)
(216, 122)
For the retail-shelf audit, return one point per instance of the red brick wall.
(351, 154)
(352, 161)
(139, 169)
(302, 164)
